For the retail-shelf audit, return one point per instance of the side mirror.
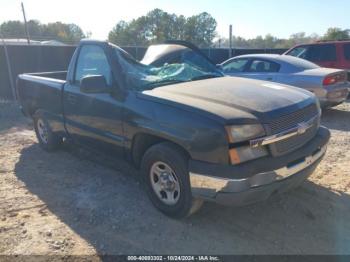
(94, 84)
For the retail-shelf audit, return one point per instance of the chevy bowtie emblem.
(298, 129)
(302, 127)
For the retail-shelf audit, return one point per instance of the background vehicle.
(331, 54)
(329, 85)
(222, 139)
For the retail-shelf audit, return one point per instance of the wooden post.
(9, 70)
(25, 24)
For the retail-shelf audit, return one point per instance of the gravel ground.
(68, 204)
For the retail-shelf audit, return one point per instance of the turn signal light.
(234, 157)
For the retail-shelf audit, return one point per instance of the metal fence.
(30, 59)
(39, 58)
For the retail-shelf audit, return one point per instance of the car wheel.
(47, 139)
(165, 174)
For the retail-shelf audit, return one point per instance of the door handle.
(72, 99)
(269, 78)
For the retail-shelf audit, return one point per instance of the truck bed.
(42, 91)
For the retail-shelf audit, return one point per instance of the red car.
(332, 54)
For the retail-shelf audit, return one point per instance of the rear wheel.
(165, 174)
(47, 139)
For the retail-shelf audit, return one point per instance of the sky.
(249, 18)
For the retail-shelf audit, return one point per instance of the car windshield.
(143, 77)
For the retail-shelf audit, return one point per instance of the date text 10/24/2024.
(173, 258)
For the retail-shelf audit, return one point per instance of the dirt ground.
(66, 203)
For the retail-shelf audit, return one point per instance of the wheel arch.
(141, 142)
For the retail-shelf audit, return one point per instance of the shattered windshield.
(143, 77)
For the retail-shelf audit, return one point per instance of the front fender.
(203, 138)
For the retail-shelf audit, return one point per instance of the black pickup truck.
(194, 134)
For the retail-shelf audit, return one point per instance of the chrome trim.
(301, 128)
(285, 172)
(208, 186)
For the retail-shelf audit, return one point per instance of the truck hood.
(234, 98)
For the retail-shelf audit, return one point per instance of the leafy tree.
(59, 31)
(63, 32)
(200, 29)
(269, 41)
(335, 33)
(119, 33)
(298, 38)
(12, 29)
(158, 26)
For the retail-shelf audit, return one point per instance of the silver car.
(329, 85)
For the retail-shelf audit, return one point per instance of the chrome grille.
(289, 121)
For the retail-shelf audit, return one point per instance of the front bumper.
(257, 180)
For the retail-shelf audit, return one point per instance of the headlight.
(245, 153)
(244, 132)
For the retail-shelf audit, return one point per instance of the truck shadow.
(109, 209)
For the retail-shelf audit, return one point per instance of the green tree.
(335, 33)
(37, 31)
(63, 32)
(11, 27)
(269, 41)
(119, 33)
(157, 26)
(200, 29)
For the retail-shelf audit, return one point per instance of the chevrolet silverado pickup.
(195, 134)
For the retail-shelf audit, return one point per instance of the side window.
(347, 51)
(263, 66)
(92, 60)
(298, 51)
(235, 66)
(322, 53)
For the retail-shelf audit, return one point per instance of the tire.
(176, 199)
(47, 139)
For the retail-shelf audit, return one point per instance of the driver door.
(93, 119)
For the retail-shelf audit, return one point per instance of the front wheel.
(165, 174)
(47, 139)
